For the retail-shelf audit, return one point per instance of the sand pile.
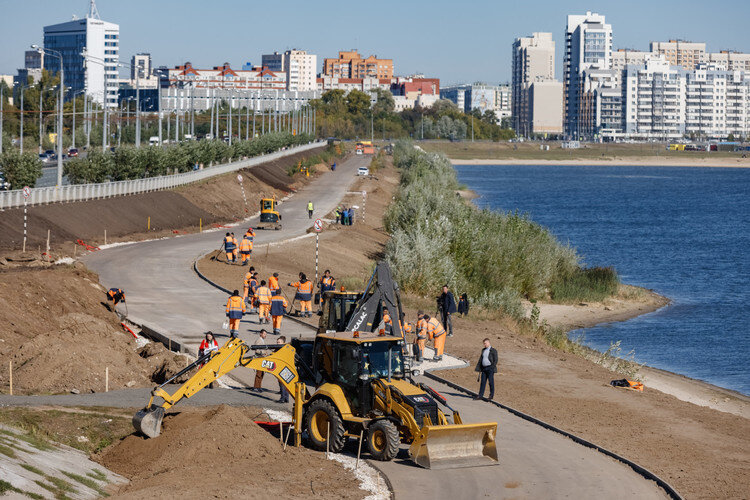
(221, 453)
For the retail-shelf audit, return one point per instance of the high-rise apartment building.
(537, 96)
(730, 60)
(351, 65)
(688, 55)
(588, 44)
(99, 75)
(140, 66)
(299, 67)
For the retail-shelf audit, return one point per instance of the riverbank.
(699, 450)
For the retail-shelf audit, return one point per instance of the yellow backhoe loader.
(345, 384)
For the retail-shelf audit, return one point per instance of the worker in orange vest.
(273, 284)
(250, 234)
(229, 247)
(421, 339)
(236, 249)
(263, 299)
(246, 248)
(235, 310)
(246, 282)
(304, 294)
(278, 309)
(406, 327)
(116, 295)
(436, 332)
(387, 321)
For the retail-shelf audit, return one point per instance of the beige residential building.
(623, 57)
(535, 107)
(730, 60)
(681, 53)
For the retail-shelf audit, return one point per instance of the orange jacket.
(246, 245)
(235, 306)
(304, 289)
(278, 305)
(422, 328)
(273, 283)
(434, 328)
(263, 294)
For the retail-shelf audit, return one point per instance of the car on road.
(73, 152)
(363, 171)
(4, 185)
(44, 157)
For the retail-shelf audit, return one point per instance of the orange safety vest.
(328, 283)
(434, 328)
(263, 294)
(247, 279)
(245, 245)
(235, 304)
(250, 234)
(278, 305)
(406, 328)
(304, 290)
(273, 283)
(421, 329)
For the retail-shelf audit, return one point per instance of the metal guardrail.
(83, 192)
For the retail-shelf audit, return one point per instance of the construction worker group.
(243, 248)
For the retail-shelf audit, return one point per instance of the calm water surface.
(683, 232)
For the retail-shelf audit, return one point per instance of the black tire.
(317, 416)
(382, 440)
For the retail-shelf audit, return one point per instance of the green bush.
(437, 238)
(591, 284)
(129, 162)
(20, 169)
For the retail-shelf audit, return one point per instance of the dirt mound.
(220, 452)
(166, 364)
(60, 336)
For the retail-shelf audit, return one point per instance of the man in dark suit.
(487, 367)
(447, 306)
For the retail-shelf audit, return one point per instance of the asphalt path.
(165, 294)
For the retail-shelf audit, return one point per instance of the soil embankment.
(127, 218)
(221, 453)
(61, 337)
(700, 451)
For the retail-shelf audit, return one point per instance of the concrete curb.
(639, 469)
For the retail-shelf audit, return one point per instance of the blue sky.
(456, 41)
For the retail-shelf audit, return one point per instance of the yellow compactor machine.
(346, 384)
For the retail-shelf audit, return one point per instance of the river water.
(684, 232)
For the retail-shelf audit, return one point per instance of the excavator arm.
(231, 355)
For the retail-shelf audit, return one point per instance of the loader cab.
(351, 363)
(337, 310)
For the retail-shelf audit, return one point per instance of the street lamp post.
(1, 118)
(60, 111)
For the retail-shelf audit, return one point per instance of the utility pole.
(21, 119)
(41, 91)
(229, 119)
(87, 117)
(212, 115)
(472, 128)
(137, 109)
(1, 119)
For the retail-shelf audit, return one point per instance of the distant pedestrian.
(463, 305)
(282, 389)
(447, 308)
(343, 216)
(337, 214)
(350, 216)
(246, 248)
(235, 310)
(333, 167)
(263, 301)
(309, 209)
(236, 248)
(273, 284)
(259, 373)
(304, 294)
(486, 367)
(207, 346)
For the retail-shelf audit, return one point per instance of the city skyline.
(418, 49)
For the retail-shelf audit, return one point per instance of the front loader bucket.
(453, 446)
(148, 421)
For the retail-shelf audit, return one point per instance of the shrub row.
(131, 163)
(495, 257)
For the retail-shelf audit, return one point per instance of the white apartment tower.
(99, 75)
(588, 44)
(299, 66)
(537, 96)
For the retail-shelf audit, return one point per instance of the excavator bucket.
(148, 421)
(454, 446)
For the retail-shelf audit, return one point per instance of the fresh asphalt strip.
(639, 469)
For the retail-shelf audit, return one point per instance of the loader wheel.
(382, 440)
(317, 417)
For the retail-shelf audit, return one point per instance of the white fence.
(82, 192)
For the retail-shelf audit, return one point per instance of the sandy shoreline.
(577, 316)
(625, 161)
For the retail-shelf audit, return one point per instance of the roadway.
(165, 294)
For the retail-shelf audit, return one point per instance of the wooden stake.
(47, 243)
(149, 223)
(287, 436)
(328, 438)
(200, 225)
(170, 344)
(281, 432)
(105, 236)
(106, 379)
(75, 249)
(10, 372)
(359, 448)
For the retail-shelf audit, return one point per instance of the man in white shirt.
(486, 367)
